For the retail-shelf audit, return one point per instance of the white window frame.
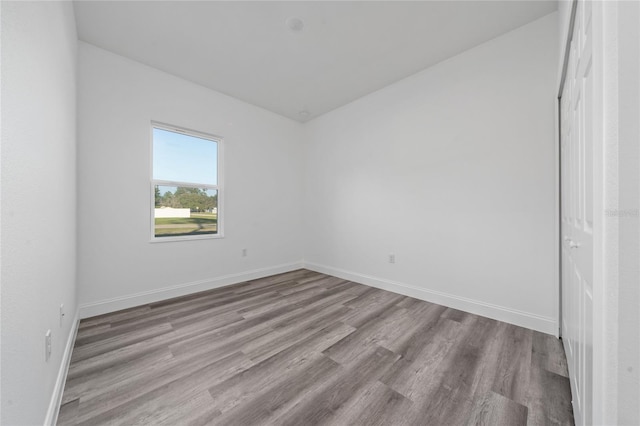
(219, 187)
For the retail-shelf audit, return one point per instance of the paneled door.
(576, 153)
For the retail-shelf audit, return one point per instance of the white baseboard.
(58, 390)
(500, 313)
(513, 316)
(88, 310)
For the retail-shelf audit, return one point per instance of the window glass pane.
(182, 210)
(183, 158)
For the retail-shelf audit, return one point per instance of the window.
(185, 184)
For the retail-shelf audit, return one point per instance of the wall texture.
(453, 171)
(38, 202)
(118, 266)
(628, 212)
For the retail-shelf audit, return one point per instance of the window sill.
(185, 238)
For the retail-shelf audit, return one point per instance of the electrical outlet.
(47, 345)
(392, 258)
(61, 313)
(244, 252)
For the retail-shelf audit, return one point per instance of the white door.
(576, 145)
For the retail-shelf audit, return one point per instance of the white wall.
(565, 7)
(616, 346)
(118, 266)
(38, 201)
(453, 171)
(623, 157)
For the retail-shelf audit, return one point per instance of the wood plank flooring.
(303, 348)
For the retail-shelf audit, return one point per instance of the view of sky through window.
(183, 158)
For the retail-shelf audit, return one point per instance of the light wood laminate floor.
(303, 348)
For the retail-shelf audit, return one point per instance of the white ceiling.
(345, 50)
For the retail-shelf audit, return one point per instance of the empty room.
(320, 212)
